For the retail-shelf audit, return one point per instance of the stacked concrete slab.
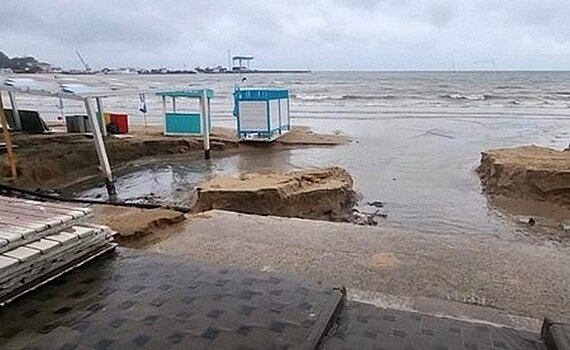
(41, 240)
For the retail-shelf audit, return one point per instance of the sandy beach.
(445, 230)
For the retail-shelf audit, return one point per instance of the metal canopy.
(68, 88)
(186, 93)
(72, 88)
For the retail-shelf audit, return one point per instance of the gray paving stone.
(43, 245)
(141, 300)
(63, 238)
(82, 232)
(22, 253)
(11, 237)
(363, 326)
(6, 263)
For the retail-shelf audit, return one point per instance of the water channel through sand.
(423, 170)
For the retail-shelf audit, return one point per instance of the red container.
(121, 121)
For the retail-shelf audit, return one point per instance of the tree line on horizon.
(27, 64)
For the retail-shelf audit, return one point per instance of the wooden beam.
(7, 140)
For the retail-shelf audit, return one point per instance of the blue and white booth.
(262, 114)
(178, 123)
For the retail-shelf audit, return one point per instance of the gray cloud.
(320, 34)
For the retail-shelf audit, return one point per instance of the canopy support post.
(7, 140)
(15, 111)
(101, 117)
(164, 114)
(173, 104)
(204, 113)
(101, 150)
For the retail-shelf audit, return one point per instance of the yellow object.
(107, 118)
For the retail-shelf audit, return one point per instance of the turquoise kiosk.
(261, 114)
(177, 123)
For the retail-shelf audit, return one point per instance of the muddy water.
(422, 169)
(417, 137)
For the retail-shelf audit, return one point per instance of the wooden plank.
(7, 204)
(45, 204)
(53, 205)
(33, 214)
(74, 212)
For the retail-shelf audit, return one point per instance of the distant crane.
(87, 68)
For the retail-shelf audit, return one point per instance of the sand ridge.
(315, 194)
(528, 172)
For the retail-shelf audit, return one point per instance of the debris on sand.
(136, 223)
(323, 194)
(530, 173)
(365, 218)
(376, 204)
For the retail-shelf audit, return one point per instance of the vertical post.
(164, 114)
(101, 118)
(60, 107)
(288, 113)
(205, 126)
(15, 111)
(101, 151)
(268, 120)
(280, 121)
(209, 116)
(174, 104)
(7, 140)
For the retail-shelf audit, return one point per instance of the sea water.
(416, 136)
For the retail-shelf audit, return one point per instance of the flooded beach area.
(412, 155)
(415, 140)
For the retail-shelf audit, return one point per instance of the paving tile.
(63, 238)
(43, 245)
(11, 237)
(7, 263)
(81, 231)
(140, 300)
(364, 326)
(22, 254)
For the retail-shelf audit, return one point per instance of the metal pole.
(15, 111)
(205, 125)
(101, 151)
(164, 114)
(101, 118)
(174, 104)
(7, 140)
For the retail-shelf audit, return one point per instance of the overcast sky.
(317, 34)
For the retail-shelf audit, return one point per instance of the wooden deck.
(41, 239)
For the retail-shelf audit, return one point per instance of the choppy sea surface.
(417, 136)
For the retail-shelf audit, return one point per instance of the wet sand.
(528, 173)
(52, 161)
(322, 194)
(514, 276)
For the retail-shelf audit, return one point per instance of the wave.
(343, 97)
(484, 97)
